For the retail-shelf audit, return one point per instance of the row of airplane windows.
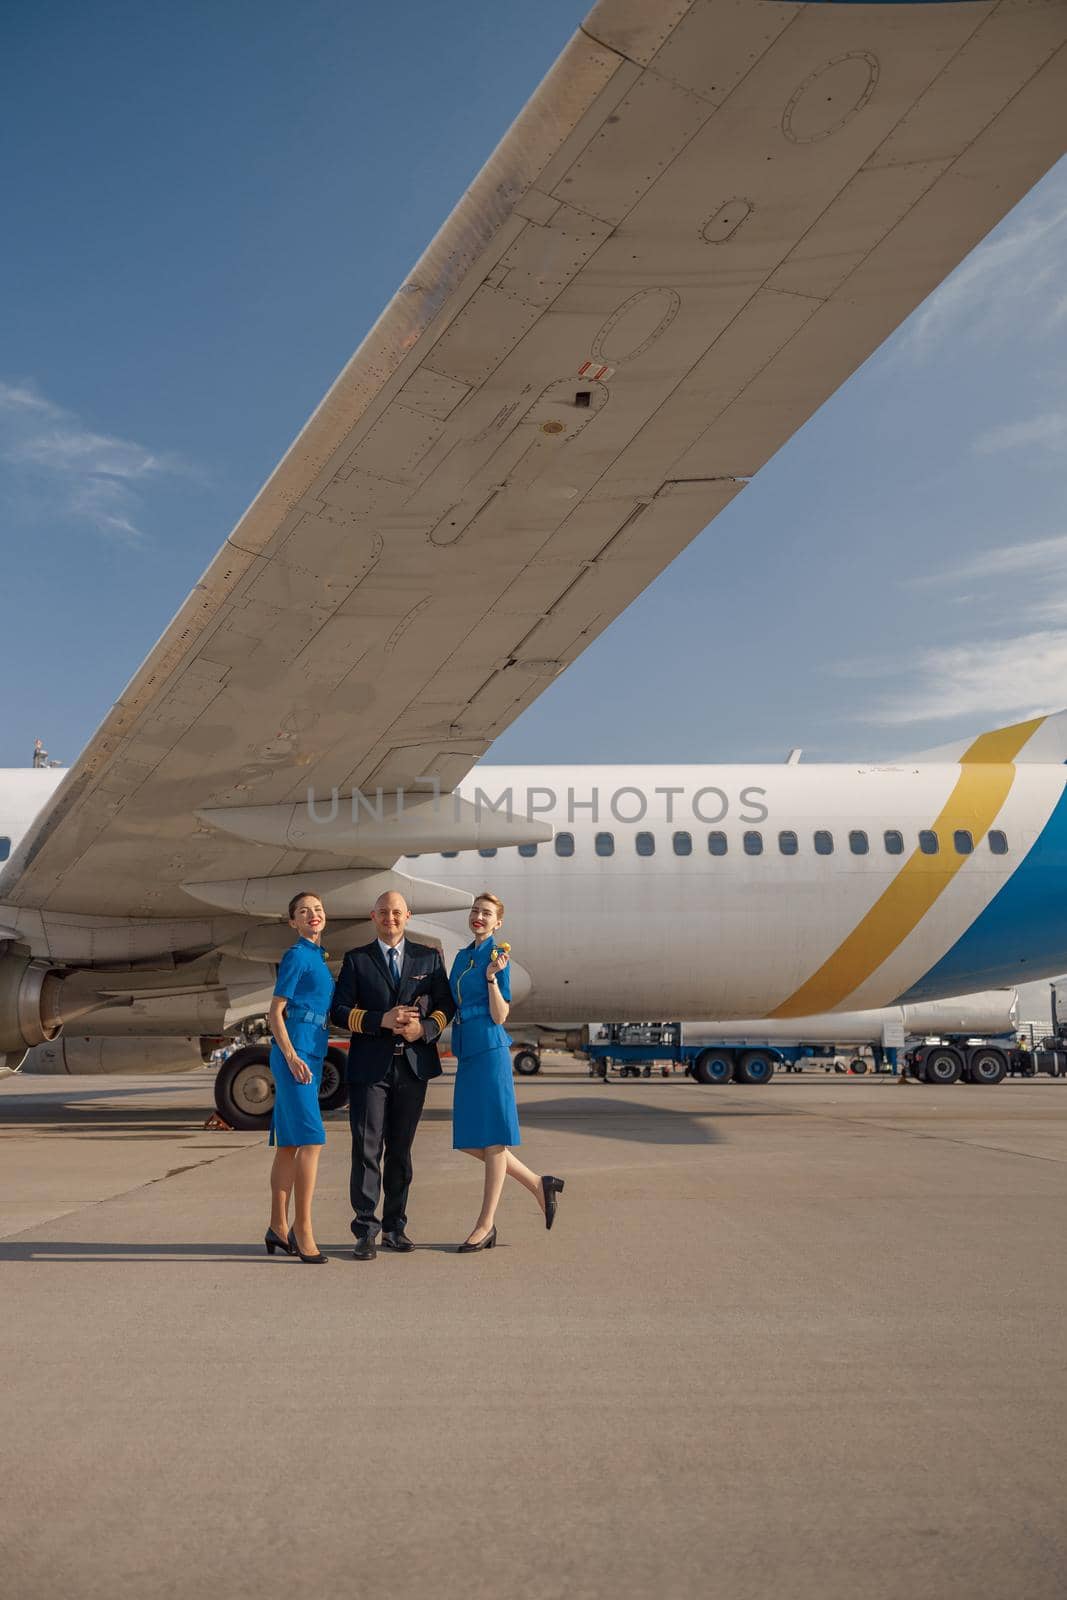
(752, 843)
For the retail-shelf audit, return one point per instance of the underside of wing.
(706, 218)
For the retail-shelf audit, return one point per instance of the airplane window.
(716, 844)
(787, 843)
(998, 842)
(5, 849)
(929, 843)
(564, 844)
(858, 842)
(824, 842)
(683, 844)
(449, 855)
(604, 844)
(753, 844)
(527, 849)
(645, 844)
(894, 842)
(963, 842)
(487, 853)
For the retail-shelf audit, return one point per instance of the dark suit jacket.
(365, 991)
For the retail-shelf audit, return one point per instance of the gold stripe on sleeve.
(355, 1020)
(440, 1019)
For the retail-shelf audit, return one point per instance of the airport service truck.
(978, 1029)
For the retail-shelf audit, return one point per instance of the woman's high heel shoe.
(483, 1244)
(274, 1242)
(295, 1250)
(550, 1188)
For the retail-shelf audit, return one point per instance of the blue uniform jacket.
(304, 982)
(473, 1029)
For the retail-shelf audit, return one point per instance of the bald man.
(393, 997)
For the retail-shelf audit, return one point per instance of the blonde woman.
(485, 1120)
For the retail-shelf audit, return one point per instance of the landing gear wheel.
(333, 1089)
(857, 1066)
(943, 1067)
(714, 1066)
(987, 1066)
(527, 1062)
(755, 1066)
(244, 1089)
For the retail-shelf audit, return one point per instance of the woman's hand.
(497, 964)
(300, 1069)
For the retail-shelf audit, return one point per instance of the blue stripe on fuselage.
(1022, 931)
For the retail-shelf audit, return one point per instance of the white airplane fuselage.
(748, 891)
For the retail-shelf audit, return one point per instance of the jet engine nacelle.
(76, 1054)
(30, 1006)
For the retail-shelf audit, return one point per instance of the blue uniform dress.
(483, 1105)
(304, 982)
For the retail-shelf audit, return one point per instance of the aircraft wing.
(707, 216)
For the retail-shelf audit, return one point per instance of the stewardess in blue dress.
(297, 1017)
(484, 1118)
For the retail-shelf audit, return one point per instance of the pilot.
(393, 997)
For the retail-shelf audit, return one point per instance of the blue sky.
(208, 205)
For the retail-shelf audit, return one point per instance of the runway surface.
(801, 1341)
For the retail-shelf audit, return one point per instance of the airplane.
(704, 220)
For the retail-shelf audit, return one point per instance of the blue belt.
(303, 1014)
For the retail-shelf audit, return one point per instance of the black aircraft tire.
(244, 1089)
(333, 1086)
(527, 1062)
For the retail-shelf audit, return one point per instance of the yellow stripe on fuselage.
(984, 783)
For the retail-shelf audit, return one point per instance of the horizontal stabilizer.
(1040, 739)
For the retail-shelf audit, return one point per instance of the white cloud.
(87, 475)
(1004, 679)
(1018, 270)
(1048, 431)
(1039, 559)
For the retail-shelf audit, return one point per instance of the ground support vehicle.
(954, 1060)
(636, 1049)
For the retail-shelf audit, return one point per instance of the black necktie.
(394, 969)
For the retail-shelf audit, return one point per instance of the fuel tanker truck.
(978, 1030)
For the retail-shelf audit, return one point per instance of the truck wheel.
(714, 1066)
(755, 1066)
(857, 1066)
(333, 1087)
(987, 1066)
(527, 1062)
(943, 1066)
(244, 1089)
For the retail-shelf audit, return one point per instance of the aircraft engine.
(76, 1054)
(31, 1006)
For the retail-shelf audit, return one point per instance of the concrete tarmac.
(800, 1341)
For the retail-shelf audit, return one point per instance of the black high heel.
(483, 1244)
(550, 1188)
(295, 1250)
(274, 1242)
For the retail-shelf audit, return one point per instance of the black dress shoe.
(273, 1242)
(295, 1250)
(365, 1250)
(483, 1244)
(397, 1241)
(550, 1188)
